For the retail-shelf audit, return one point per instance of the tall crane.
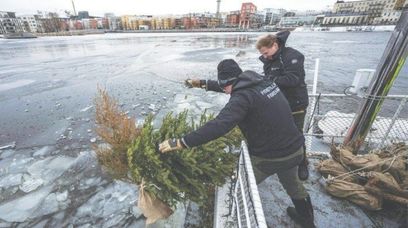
(218, 8)
(73, 6)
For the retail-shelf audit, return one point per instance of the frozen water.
(11, 180)
(20, 209)
(13, 85)
(45, 151)
(50, 168)
(16, 164)
(63, 196)
(86, 108)
(204, 105)
(117, 199)
(48, 206)
(30, 183)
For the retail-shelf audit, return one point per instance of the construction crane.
(218, 8)
(73, 6)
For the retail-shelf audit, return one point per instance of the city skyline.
(153, 7)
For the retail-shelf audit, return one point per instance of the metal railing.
(245, 210)
(247, 206)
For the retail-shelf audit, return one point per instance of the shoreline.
(365, 28)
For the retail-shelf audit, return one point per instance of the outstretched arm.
(210, 85)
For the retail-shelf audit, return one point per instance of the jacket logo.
(270, 91)
(275, 68)
(294, 61)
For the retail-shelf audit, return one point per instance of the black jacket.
(262, 113)
(287, 71)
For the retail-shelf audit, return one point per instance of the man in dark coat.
(284, 66)
(263, 114)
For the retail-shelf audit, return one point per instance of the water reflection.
(241, 41)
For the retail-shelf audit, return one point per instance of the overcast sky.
(154, 7)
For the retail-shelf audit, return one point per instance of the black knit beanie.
(228, 72)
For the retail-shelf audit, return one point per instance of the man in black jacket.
(284, 66)
(263, 114)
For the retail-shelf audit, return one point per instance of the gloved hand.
(171, 145)
(194, 83)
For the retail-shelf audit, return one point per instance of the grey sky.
(155, 7)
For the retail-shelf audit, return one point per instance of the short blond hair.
(266, 41)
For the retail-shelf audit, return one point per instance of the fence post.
(312, 104)
(394, 118)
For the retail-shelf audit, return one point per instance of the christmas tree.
(131, 154)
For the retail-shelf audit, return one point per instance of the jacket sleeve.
(293, 73)
(232, 114)
(212, 85)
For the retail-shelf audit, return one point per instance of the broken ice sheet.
(20, 209)
(30, 184)
(51, 168)
(11, 145)
(11, 180)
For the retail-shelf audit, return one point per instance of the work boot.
(302, 213)
(303, 172)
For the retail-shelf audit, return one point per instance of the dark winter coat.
(262, 113)
(287, 71)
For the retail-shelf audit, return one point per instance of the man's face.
(268, 52)
(228, 89)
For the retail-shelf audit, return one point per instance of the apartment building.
(9, 23)
(376, 11)
(247, 16)
(29, 22)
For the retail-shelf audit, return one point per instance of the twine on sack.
(354, 172)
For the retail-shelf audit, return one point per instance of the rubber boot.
(302, 213)
(303, 172)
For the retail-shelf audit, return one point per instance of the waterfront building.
(9, 23)
(89, 23)
(29, 23)
(273, 16)
(129, 22)
(295, 21)
(114, 23)
(144, 22)
(340, 19)
(388, 17)
(374, 9)
(50, 22)
(83, 15)
(247, 18)
(232, 19)
(169, 23)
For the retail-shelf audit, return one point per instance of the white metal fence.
(245, 211)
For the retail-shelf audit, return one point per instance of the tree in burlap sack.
(183, 175)
(130, 154)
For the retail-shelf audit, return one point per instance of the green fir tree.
(183, 175)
